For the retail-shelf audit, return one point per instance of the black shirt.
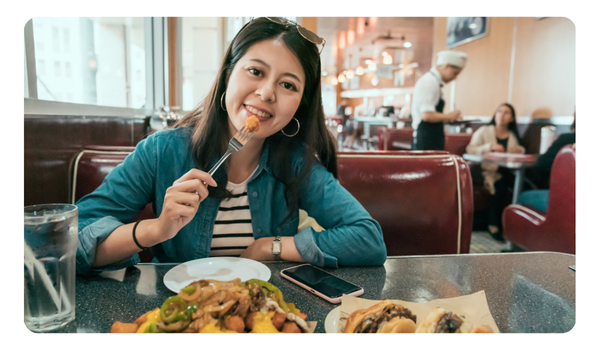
(503, 142)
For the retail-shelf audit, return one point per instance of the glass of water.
(51, 240)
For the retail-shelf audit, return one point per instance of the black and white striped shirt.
(232, 233)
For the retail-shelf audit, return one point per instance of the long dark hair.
(512, 126)
(210, 122)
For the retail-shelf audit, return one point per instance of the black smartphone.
(321, 283)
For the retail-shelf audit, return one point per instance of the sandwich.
(439, 320)
(383, 317)
(210, 306)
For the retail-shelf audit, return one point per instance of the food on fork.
(210, 306)
(252, 124)
(383, 317)
(439, 320)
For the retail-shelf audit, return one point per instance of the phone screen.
(321, 281)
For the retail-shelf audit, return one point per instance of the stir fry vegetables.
(210, 306)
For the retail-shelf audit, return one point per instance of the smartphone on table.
(321, 283)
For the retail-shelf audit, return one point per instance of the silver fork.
(235, 144)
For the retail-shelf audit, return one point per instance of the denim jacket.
(351, 236)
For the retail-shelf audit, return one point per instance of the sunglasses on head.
(306, 34)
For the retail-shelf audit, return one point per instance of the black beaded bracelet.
(135, 239)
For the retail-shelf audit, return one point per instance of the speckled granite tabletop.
(527, 292)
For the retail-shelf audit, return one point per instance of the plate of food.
(211, 306)
(332, 320)
(220, 269)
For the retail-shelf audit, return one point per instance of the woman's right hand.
(181, 203)
(497, 148)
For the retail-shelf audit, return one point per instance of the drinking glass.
(51, 239)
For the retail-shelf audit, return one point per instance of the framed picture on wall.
(461, 30)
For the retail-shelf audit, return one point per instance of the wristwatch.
(276, 248)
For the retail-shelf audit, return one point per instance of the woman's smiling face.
(268, 81)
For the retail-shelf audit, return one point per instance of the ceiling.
(340, 53)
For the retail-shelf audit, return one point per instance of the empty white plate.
(221, 269)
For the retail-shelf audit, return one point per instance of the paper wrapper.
(473, 307)
(311, 326)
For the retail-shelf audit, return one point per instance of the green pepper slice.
(177, 314)
(152, 328)
(191, 289)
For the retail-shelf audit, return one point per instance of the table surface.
(531, 292)
(508, 160)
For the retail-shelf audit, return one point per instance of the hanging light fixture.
(360, 70)
(407, 44)
(341, 78)
(350, 74)
(334, 81)
(372, 66)
(387, 59)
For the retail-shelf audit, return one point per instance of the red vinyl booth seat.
(555, 230)
(457, 143)
(388, 136)
(422, 200)
(91, 166)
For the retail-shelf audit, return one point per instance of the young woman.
(501, 135)
(272, 70)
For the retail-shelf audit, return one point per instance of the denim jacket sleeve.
(351, 235)
(123, 193)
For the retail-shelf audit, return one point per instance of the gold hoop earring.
(223, 108)
(294, 134)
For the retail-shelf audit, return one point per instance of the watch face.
(276, 247)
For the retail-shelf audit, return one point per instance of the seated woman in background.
(501, 135)
(272, 71)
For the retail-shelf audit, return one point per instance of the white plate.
(332, 320)
(221, 269)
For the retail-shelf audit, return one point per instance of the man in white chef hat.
(427, 111)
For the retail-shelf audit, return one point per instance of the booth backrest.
(423, 201)
(554, 230)
(561, 198)
(388, 136)
(457, 143)
(91, 166)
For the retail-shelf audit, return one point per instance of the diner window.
(55, 39)
(41, 68)
(67, 41)
(99, 54)
(201, 54)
